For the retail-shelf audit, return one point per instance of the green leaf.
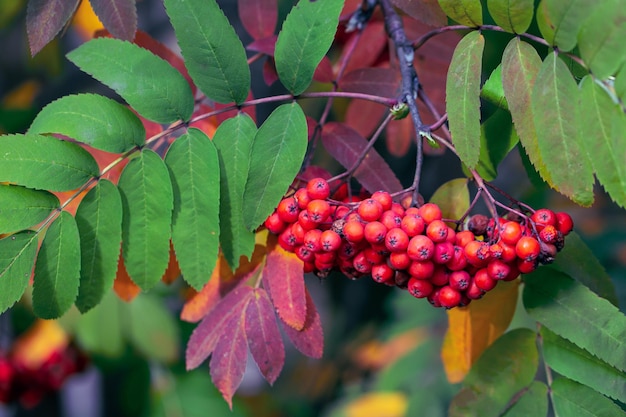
(572, 311)
(195, 172)
(505, 368)
(573, 399)
(453, 198)
(604, 148)
(149, 84)
(497, 139)
(493, 90)
(555, 109)
(620, 84)
(306, 35)
(564, 18)
(600, 40)
(21, 207)
(214, 55)
(92, 119)
(99, 221)
(520, 66)
(512, 15)
(152, 329)
(57, 270)
(233, 140)
(147, 200)
(45, 162)
(463, 97)
(579, 262)
(579, 365)
(99, 330)
(17, 255)
(533, 402)
(275, 158)
(466, 12)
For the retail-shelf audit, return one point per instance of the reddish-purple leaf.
(427, 11)
(258, 17)
(213, 327)
(365, 116)
(324, 71)
(283, 277)
(369, 47)
(45, 19)
(398, 135)
(118, 16)
(265, 45)
(270, 76)
(346, 146)
(228, 362)
(310, 340)
(264, 338)
(376, 81)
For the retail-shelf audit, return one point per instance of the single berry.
(361, 263)
(375, 232)
(543, 218)
(302, 197)
(383, 273)
(477, 224)
(527, 248)
(464, 237)
(510, 233)
(399, 260)
(370, 210)
(384, 198)
(444, 252)
(396, 240)
(420, 248)
(564, 223)
(390, 219)
(440, 277)
(458, 261)
(473, 292)
(449, 297)
(419, 288)
(353, 231)
(318, 189)
(549, 234)
(437, 231)
(288, 210)
(498, 270)
(318, 210)
(312, 240)
(326, 257)
(274, 224)
(412, 224)
(460, 280)
(421, 269)
(306, 221)
(430, 212)
(483, 280)
(477, 253)
(526, 266)
(305, 254)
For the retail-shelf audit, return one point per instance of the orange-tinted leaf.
(376, 81)
(216, 325)
(46, 18)
(38, 343)
(369, 47)
(346, 145)
(387, 404)
(222, 281)
(376, 354)
(258, 17)
(264, 339)
(283, 277)
(228, 362)
(473, 328)
(173, 270)
(365, 116)
(310, 340)
(123, 286)
(398, 136)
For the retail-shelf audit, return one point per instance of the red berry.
(375, 232)
(312, 240)
(498, 270)
(370, 210)
(361, 263)
(305, 220)
(274, 224)
(440, 277)
(508, 253)
(564, 223)
(305, 254)
(437, 231)
(398, 209)
(444, 252)
(396, 240)
(318, 210)
(458, 261)
(383, 273)
(430, 212)
(526, 266)
(353, 231)
(390, 219)
(549, 234)
(464, 237)
(384, 198)
(510, 232)
(543, 217)
(288, 210)
(527, 248)
(483, 280)
(302, 197)
(477, 253)
(473, 292)
(419, 288)
(420, 248)
(421, 270)
(412, 224)
(460, 280)
(449, 297)
(318, 189)
(399, 260)
(326, 257)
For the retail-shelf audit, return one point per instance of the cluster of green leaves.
(567, 107)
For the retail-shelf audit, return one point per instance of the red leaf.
(212, 328)
(222, 281)
(312, 126)
(270, 76)
(376, 81)
(228, 362)
(284, 279)
(324, 71)
(45, 19)
(369, 48)
(346, 145)
(258, 17)
(427, 11)
(118, 16)
(399, 135)
(264, 339)
(365, 116)
(310, 340)
(264, 45)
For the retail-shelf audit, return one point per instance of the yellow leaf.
(85, 20)
(38, 343)
(378, 404)
(473, 328)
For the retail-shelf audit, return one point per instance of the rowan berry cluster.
(413, 248)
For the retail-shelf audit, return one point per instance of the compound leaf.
(194, 169)
(572, 311)
(17, 256)
(99, 221)
(45, 19)
(275, 159)
(554, 101)
(92, 119)
(233, 140)
(57, 270)
(214, 55)
(45, 162)
(346, 145)
(512, 15)
(264, 338)
(463, 97)
(149, 84)
(573, 399)
(21, 207)
(147, 197)
(306, 35)
(118, 16)
(466, 12)
(504, 369)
